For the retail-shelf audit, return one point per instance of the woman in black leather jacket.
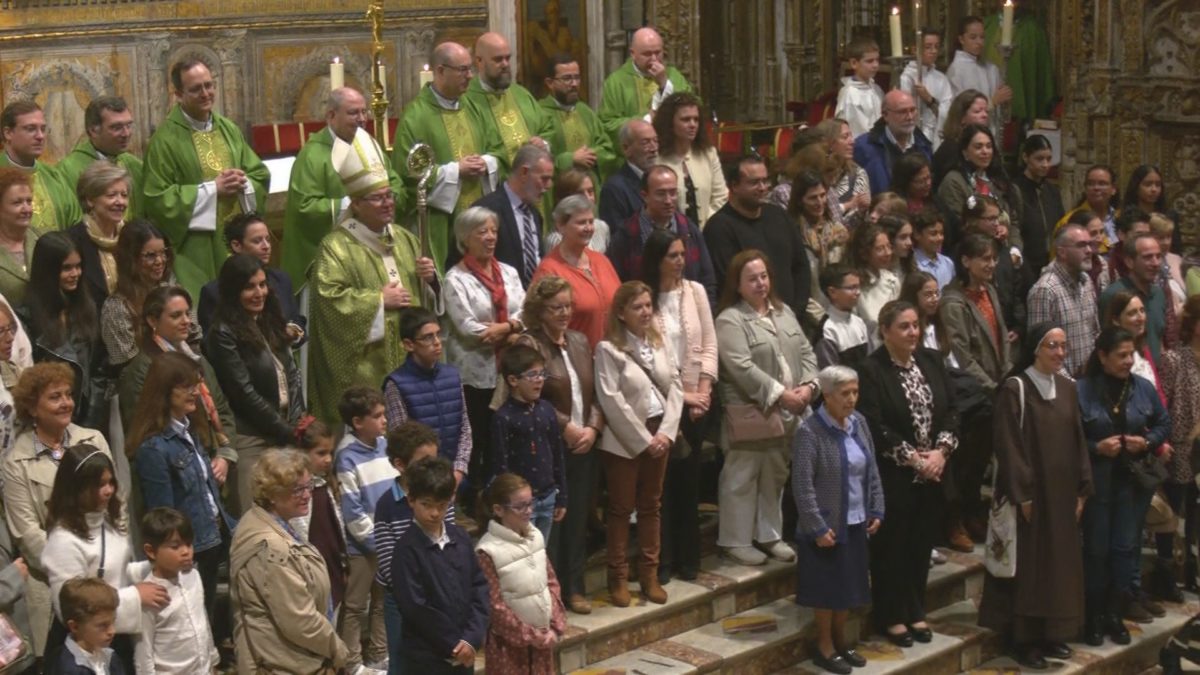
(250, 351)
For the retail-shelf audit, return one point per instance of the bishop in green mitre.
(637, 88)
(109, 125)
(55, 206)
(469, 154)
(316, 197)
(365, 272)
(514, 113)
(577, 139)
(200, 172)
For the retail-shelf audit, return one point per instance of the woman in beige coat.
(642, 398)
(683, 139)
(282, 613)
(768, 379)
(684, 320)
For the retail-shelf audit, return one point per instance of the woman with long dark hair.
(683, 137)
(250, 352)
(979, 171)
(912, 178)
(969, 106)
(1041, 201)
(62, 323)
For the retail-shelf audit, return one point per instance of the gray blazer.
(750, 350)
(820, 485)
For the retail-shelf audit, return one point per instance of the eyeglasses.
(428, 338)
(1054, 346)
(8, 330)
(559, 309)
(850, 289)
(155, 256)
(520, 507)
(930, 295)
(534, 375)
(380, 200)
(462, 70)
(302, 489)
(568, 79)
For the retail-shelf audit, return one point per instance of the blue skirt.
(836, 577)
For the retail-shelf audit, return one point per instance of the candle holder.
(898, 63)
(1004, 112)
(379, 102)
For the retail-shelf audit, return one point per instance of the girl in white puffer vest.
(527, 617)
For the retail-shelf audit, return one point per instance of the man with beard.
(749, 221)
(637, 88)
(895, 134)
(573, 130)
(109, 124)
(316, 197)
(55, 206)
(1064, 294)
(515, 114)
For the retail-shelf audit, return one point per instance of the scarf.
(493, 281)
(210, 408)
(106, 246)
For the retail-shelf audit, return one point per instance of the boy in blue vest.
(436, 579)
(428, 391)
(364, 474)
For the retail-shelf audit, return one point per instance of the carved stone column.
(229, 47)
(418, 45)
(596, 25)
(616, 47)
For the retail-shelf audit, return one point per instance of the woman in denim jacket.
(1125, 423)
(173, 467)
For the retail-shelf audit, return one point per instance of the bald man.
(316, 196)
(637, 88)
(895, 134)
(514, 113)
(468, 152)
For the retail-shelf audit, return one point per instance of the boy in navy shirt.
(436, 579)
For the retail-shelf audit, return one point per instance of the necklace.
(1115, 406)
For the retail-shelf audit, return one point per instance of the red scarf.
(493, 281)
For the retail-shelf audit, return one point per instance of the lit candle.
(337, 74)
(1006, 25)
(382, 77)
(897, 43)
(426, 75)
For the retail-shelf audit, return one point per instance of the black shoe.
(1162, 583)
(664, 574)
(1189, 576)
(1170, 662)
(922, 635)
(1093, 630)
(1115, 629)
(1057, 650)
(1135, 610)
(688, 572)
(834, 664)
(852, 657)
(1029, 657)
(904, 639)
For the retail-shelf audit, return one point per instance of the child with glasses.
(527, 617)
(526, 438)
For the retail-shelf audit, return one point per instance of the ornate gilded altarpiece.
(270, 57)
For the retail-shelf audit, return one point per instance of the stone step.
(668, 646)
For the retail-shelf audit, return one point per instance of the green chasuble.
(627, 95)
(55, 206)
(453, 134)
(347, 279)
(314, 203)
(174, 172)
(84, 154)
(1031, 70)
(573, 129)
(515, 115)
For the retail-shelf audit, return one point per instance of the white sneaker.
(745, 555)
(936, 557)
(381, 664)
(779, 551)
(367, 670)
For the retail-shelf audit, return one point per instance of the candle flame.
(896, 10)
(1008, 3)
(426, 66)
(337, 59)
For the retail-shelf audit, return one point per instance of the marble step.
(668, 646)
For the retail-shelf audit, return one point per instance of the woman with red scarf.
(483, 299)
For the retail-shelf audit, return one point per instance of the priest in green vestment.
(514, 113)
(200, 172)
(1031, 69)
(109, 125)
(365, 272)
(315, 194)
(55, 206)
(469, 154)
(637, 88)
(577, 139)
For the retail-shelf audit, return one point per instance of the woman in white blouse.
(871, 253)
(684, 145)
(483, 299)
(685, 321)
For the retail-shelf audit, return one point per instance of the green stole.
(647, 87)
(45, 217)
(509, 121)
(462, 144)
(215, 156)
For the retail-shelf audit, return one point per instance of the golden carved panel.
(294, 77)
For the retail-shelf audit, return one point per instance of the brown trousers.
(634, 484)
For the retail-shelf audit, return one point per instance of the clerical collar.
(639, 70)
(19, 165)
(196, 124)
(563, 106)
(101, 155)
(442, 101)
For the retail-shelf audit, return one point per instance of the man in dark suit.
(519, 236)
(621, 196)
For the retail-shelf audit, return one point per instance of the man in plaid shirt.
(1064, 294)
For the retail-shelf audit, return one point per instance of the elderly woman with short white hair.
(483, 299)
(839, 502)
(104, 191)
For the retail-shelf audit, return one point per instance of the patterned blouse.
(920, 404)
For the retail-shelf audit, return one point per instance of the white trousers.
(751, 495)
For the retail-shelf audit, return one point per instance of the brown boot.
(958, 539)
(651, 589)
(618, 592)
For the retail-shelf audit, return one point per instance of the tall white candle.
(426, 75)
(1006, 25)
(897, 43)
(337, 74)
